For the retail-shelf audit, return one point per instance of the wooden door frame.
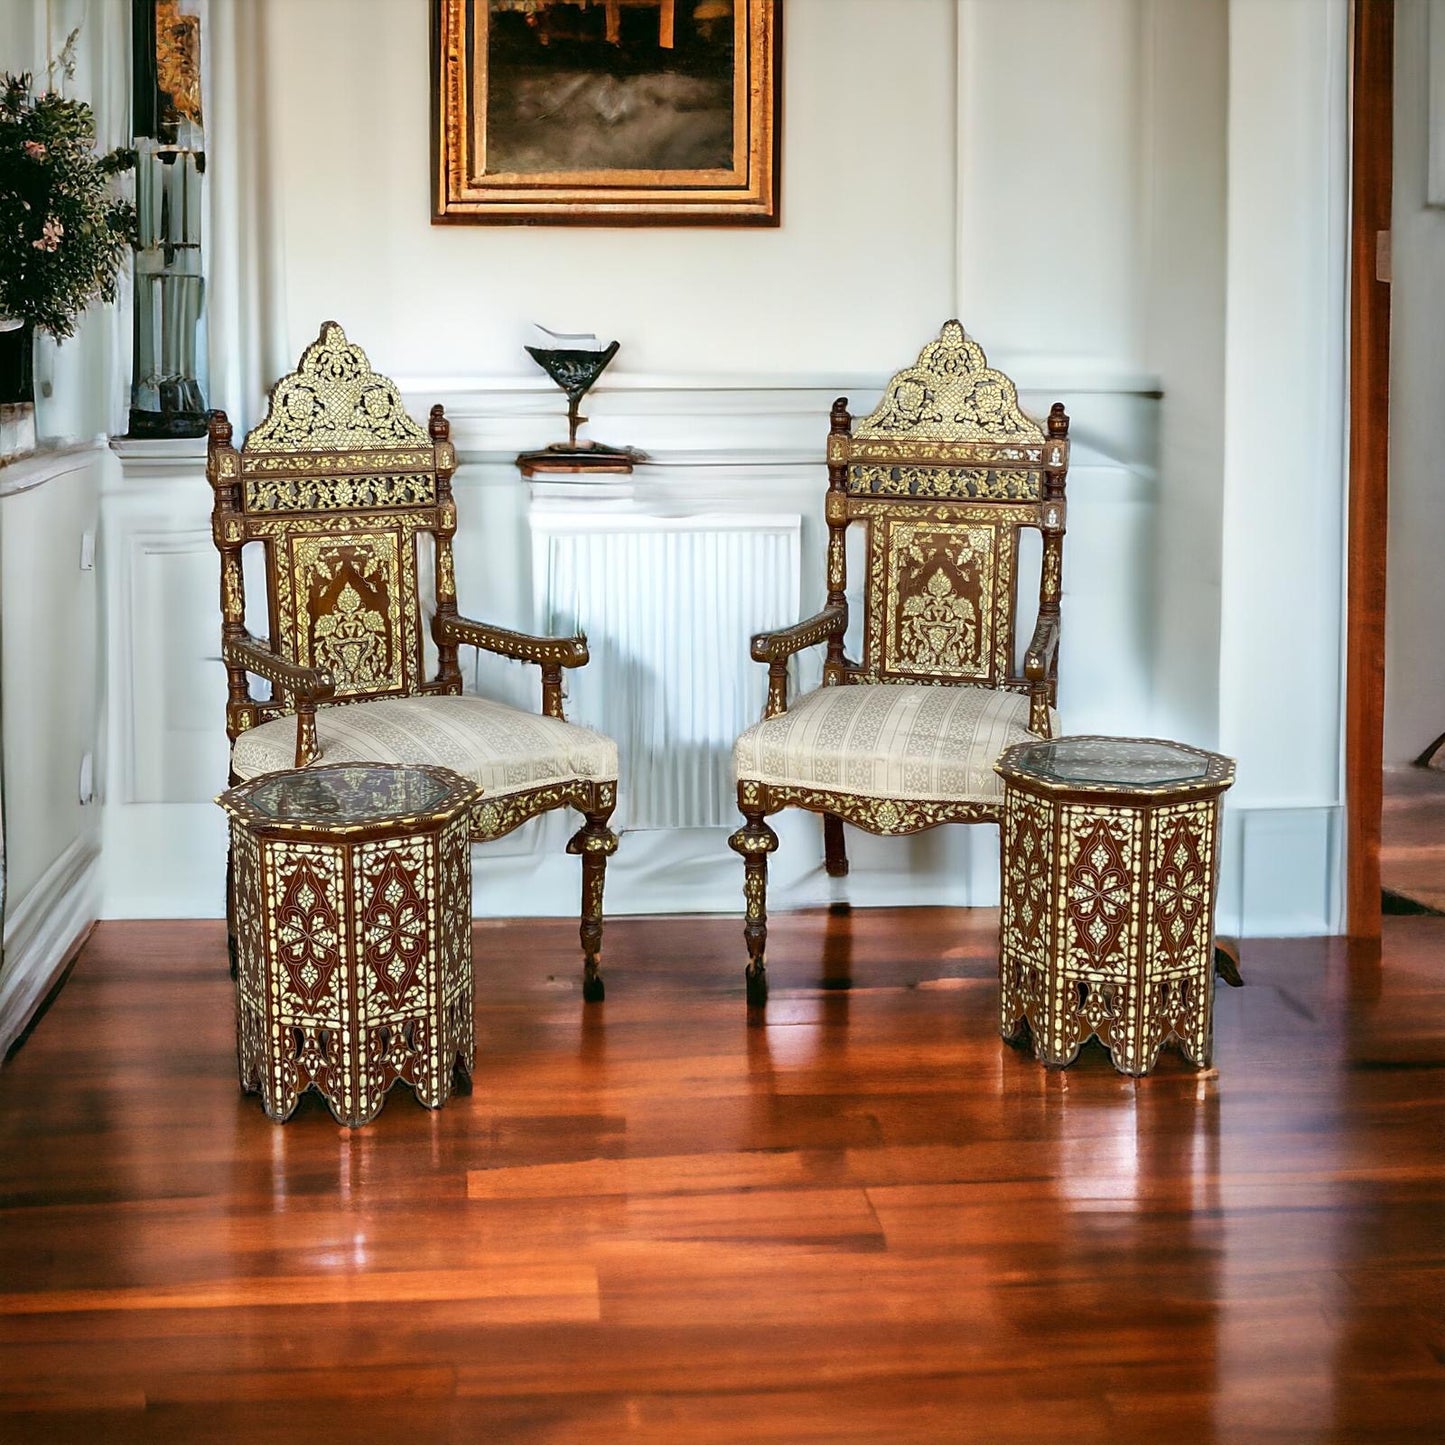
(1372, 99)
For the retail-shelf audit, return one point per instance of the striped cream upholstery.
(888, 740)
(503, 748)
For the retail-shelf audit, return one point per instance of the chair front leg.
(754, 841)
(596, 842)
(835, 850)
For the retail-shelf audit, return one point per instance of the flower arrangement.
(63, 233)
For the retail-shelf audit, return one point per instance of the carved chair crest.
(337, 482)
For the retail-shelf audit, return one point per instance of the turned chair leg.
(835, 850)
(596, 842)
(755, 840)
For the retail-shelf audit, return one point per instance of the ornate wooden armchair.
(338, 484)
(944, 474)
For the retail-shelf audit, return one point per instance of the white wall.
(1134, 204)
(1415, 614)
(1282, 568)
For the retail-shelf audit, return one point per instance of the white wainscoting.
(49, 723)
(725, 458)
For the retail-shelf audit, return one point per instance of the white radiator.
(668, 605)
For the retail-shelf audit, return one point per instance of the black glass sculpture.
(575, 370)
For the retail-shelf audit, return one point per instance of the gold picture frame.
(605, 112)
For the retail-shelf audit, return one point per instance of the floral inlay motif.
(395, 927)
(940, 627)
(308, 933)
(1181, 889)
(347, 588)
(1099, 889)
(352, 640)
(941, 579)
(1028, 873)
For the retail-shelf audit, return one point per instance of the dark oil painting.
(636, 85)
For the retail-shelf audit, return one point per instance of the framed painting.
(606, 112)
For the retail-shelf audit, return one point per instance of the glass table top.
(1111, 762)
(351, 794)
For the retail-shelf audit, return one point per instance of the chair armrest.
(545, 651)
(551, 654)
(1043, 647)
(779, 645)
(307, 684)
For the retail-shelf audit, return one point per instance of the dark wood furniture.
(352, 909)
(1110, 870)
(338, 484)
(944, 473)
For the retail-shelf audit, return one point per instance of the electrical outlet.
(87, 552)
(87, 780)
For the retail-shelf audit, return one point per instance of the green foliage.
(63, 233)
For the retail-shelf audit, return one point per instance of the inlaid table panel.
(352, 908)
(1110, 869)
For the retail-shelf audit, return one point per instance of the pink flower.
(50, 234)
(35, 149)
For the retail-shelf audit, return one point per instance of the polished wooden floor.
(1412, 836)
(862, 1219)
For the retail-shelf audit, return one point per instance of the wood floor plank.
(858, 1216)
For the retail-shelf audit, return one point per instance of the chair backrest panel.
(338, 482)
(346, 598)
(939, 599)
(944, 472)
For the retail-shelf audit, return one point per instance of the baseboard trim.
(43, 935)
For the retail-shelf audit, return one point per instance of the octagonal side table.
(352, 913)
(1110, 869)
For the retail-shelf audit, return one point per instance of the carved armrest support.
(1042, 649)
(306, 686)
(775, 648)
(544, 651)
(781, 644)
(315, 684)
(551, 654)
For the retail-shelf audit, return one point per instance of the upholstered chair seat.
(889, 740)
(503, 748)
